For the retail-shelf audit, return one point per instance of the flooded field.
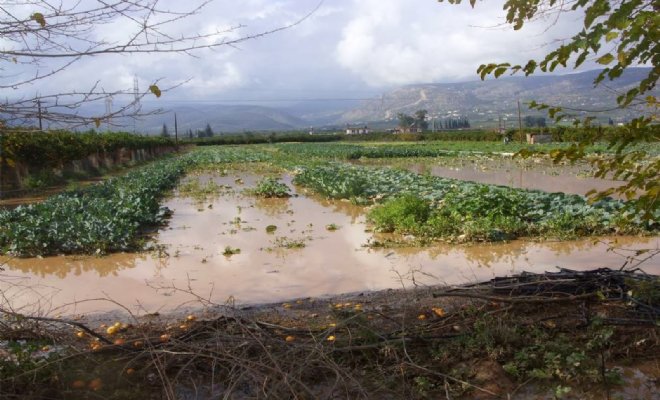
(234, 247)
(536, 174)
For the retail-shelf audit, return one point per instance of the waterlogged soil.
(219, 249)
(532, 173)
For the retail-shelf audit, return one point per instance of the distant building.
(536, 138)
(360, 130)
(413, 128)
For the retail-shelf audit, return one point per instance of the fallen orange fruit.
(78, 384)
(439, 311)
(95, 384)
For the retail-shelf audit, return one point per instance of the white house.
(359, 130)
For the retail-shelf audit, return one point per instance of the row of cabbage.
(106, 217)
(354, 152)
(434, 207)
(345, 151)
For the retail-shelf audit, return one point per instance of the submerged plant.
(332, 227)
(200, 191)
(271, 187)
(271, 228)
(289, 243)
(230, 251)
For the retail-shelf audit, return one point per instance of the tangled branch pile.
(556, 332)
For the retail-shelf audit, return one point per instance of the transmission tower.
(108, 112)
(136, 101)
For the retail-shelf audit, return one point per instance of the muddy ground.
(391, 344)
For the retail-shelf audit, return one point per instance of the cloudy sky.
(344, 49)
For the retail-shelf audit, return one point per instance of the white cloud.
(346, 46)
(223, 77)
(394, 42)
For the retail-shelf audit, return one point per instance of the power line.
(270, 100)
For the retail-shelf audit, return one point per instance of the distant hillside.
(483, 102)
(221, 118)
(486, 101)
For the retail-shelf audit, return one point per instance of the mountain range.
(486, 101)
(482, 102)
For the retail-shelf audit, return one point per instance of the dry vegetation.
(553, 333)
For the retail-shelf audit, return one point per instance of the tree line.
(419, 122)
(207, 132)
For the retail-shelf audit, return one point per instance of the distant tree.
(610, 122)
(534, 121)
(208, 132)
(164, 132)
(455, 123)
(420, 119)
(405, 120)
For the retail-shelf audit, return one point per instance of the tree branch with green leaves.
(616, 34)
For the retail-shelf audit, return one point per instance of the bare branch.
(38, 33)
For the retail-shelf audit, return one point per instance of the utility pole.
(39, 114)
(176, 133)
(522, 139)
(136, 102)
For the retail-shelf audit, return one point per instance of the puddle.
(537, 174)
(301, 258)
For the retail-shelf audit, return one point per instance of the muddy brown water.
(275, 266)
(535, 173)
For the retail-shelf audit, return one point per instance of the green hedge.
(53, 148)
